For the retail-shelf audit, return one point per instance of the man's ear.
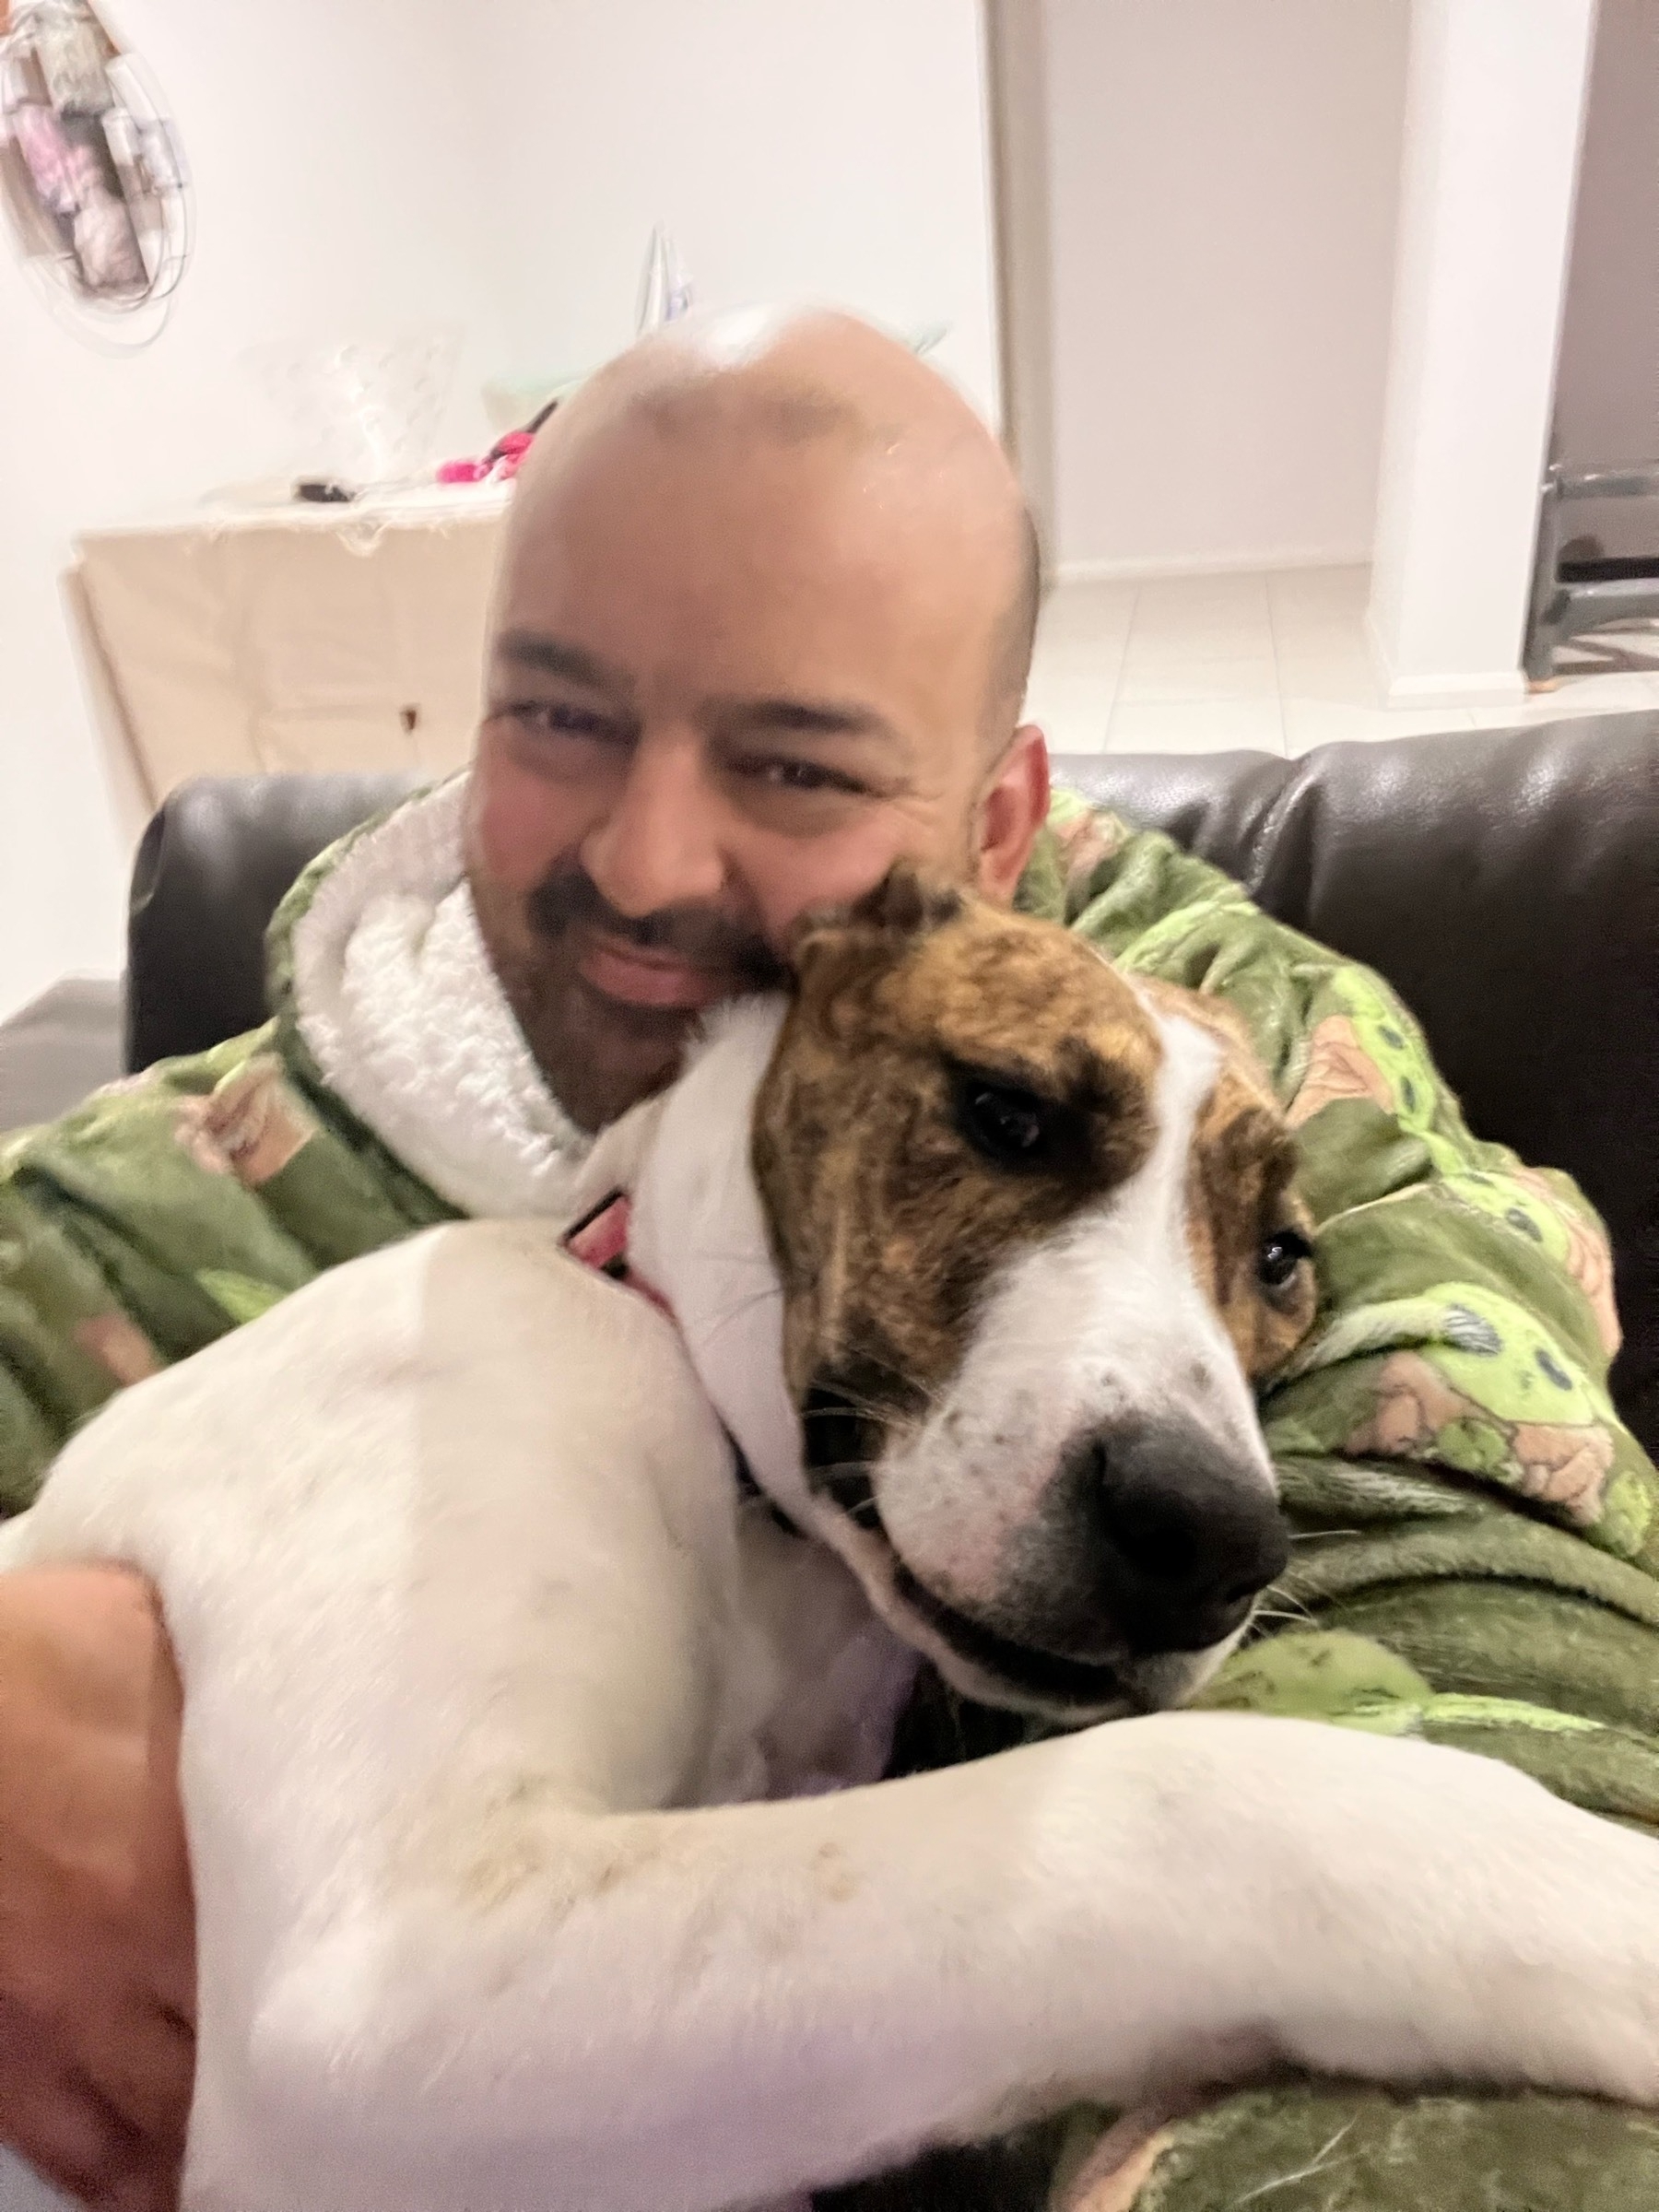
(1012, 809)
(903, 906)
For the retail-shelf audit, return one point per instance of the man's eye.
(799, 775)
(547, 718)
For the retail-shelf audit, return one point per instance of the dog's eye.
(1012, 1127)
(1281, 1254)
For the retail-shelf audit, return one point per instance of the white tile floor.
(1273, 663)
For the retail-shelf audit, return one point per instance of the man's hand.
(97, 1928)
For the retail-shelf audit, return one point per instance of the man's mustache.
(569, 900)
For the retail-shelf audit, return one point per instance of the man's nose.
(661, 844)
(1185, 1536)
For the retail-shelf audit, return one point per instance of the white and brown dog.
(973, 1248)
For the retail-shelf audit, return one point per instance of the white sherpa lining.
(394, 995)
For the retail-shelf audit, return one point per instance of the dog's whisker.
(868, 1408)
(1288, 1598)
(1293, 1612)
(1287, 1606)
(909, 1386)
(848, 1487)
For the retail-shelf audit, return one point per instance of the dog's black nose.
(1187, 1534)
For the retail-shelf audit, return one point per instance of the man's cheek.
(518, 826)
(831, 872)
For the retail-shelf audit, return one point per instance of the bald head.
(904, 434)
(762, 629)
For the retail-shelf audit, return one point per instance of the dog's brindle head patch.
(1033, 1222)
(950, 1084)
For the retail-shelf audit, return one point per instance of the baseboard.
(1442, 688)
(1212, 564)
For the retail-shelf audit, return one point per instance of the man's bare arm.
(97, 1933)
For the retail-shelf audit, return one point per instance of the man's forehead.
(643, 466)
(801, 473)
(759, 575)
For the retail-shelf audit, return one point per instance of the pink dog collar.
(600, 1241)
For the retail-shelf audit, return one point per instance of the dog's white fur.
(484, 1660)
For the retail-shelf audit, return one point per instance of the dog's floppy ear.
(904, 905)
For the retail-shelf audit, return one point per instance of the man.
(763, 628)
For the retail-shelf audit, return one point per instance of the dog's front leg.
(681, 2012)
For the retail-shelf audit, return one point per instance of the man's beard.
(598, 1056)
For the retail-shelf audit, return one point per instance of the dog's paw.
(1508, 1938)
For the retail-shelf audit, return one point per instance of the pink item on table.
(499, 466)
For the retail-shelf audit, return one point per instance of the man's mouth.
(633, 976)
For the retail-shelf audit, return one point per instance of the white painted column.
(1017, 108)
(1494, 114)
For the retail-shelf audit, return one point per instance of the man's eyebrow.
(534, 650)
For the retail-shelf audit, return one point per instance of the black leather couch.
(1507, 884)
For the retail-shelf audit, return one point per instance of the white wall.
(1494, 112)
(1017, 102)
(1223, 183)
(373, 165)
(795, 149)
(333, 192)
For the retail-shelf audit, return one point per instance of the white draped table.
(247, 640)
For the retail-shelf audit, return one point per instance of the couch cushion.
(214, 866)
